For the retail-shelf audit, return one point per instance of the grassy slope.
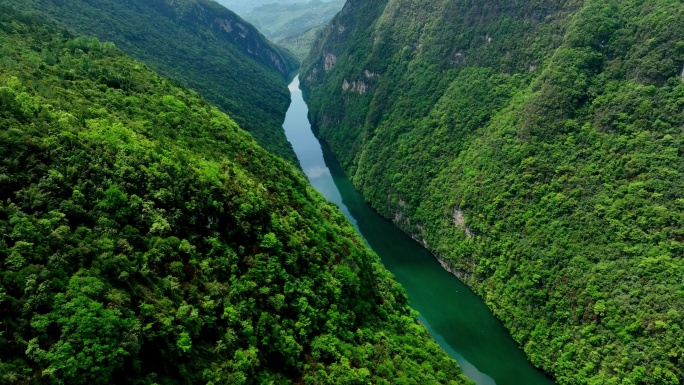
(146, 239)
(199, 44)
(537, 148)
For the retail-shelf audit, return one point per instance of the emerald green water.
(456, 318)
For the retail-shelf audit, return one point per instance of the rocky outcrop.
(460, 222)
(358, 86)
(329, 62)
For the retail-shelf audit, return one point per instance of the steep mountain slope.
(197, 43)
(536, 147)
(146, 239)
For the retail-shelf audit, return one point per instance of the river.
(455, 317)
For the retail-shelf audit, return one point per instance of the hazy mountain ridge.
(242, 7)
(293, 25)
(279, 21)
(301, 44)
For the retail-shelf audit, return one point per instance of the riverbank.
(455, 317)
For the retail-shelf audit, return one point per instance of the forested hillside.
(198, 43)
(536, 147)
(146, 239)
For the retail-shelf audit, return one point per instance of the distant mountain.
(279, 21)
(293, 25)
(242, 7)
(198, 43)
(300, 45)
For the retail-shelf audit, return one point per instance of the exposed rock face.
(460, 221)
(225, 25)
(358, 86)
(330, 61)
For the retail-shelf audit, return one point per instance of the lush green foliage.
(197, 43)
(535, 146)
(146, 239)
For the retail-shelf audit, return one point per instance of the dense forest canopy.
(146, 239)
(197, 43)
(537, 148)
